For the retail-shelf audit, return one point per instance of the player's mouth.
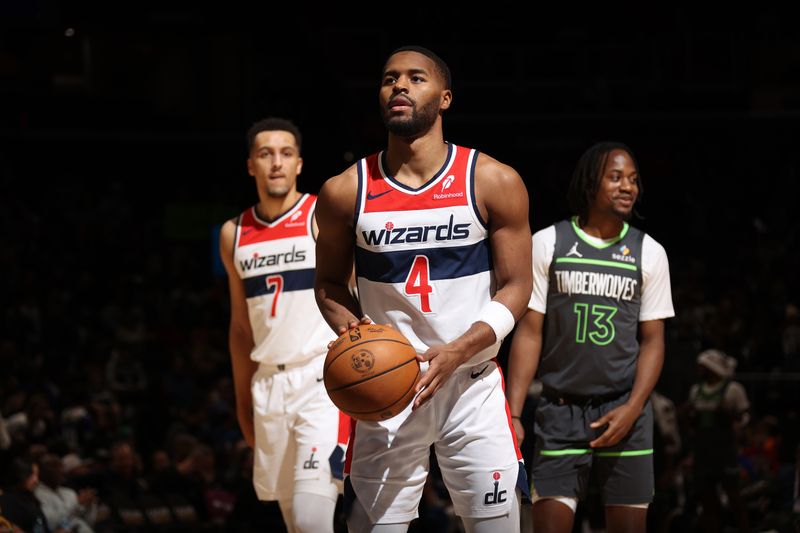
(626, 201)
(399, 102)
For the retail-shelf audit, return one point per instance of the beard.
(277, 192)
(420, 121)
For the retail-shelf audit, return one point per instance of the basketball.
(370, 372)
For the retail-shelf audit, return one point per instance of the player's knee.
(313, 513)
(571, 503)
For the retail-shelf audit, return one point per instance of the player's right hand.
(363, 321)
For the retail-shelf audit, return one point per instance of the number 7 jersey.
(423, 259)
(276, 262)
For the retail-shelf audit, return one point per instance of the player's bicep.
(510, 235)
(335, 240)
(227, 236)
(238, 298)
(651, 332)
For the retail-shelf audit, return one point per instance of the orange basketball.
(370, 372)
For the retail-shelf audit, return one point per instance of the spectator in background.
(718, 410)
(61, 505)
(18, 503)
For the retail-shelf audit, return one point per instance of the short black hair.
(273, 124)
(585, 180)
(441, 66)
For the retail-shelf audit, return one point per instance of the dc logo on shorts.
(311, 463)
(493, 497)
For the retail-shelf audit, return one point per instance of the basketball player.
(278, 339)
(441, 243)
(594, 330)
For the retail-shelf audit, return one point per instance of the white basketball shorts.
(469, 424)
(296, 429)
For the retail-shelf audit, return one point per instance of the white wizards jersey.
(423, 259)
(276, 262)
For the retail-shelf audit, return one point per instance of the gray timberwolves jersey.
(590, 344)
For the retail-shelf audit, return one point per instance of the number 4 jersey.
(423, 260)
(594, 293)
(276, 262)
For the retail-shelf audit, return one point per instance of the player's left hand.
(619, 421)
(442, 360)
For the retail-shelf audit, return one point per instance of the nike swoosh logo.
(371, 196)
(474, 375)
(320, 379)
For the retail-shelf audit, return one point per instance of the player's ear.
(447, 99)
(250, 167)
(299, 165)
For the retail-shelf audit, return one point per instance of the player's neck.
(601, 227)
(271, 207)
(414, 161)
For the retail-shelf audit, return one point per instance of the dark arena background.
(122, 151)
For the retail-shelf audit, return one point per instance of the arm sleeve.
(656, 288)
(544, 242)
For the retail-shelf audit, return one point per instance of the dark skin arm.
(523, 361)
(648, 368)
(504, 204)
(335, 248)
(240, 337)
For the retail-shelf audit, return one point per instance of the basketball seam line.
(391, 404)
(373, 377)
(359, 344)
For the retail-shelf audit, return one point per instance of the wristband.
(499, 318)
(518, 418)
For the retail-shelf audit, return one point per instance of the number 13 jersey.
(423, 258)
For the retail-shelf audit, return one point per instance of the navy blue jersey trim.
(474, 200)
(359, 189)
(421, 187)
(311, 214)
(446, 262)
(274, 222)
(236, 231)
(293, 280)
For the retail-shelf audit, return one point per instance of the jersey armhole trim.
(473, 159)
(236, 232)
(362, 172)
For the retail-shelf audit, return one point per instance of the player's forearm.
(648, 369)
(523, 361)
(241, 345)
(478, 337)
(336, 303)
(515, 295)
